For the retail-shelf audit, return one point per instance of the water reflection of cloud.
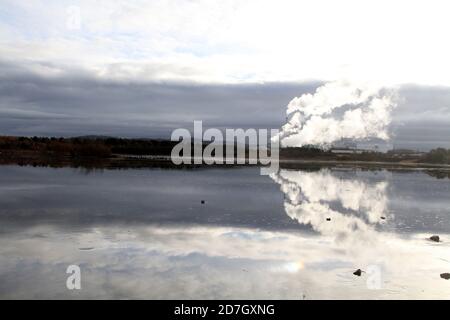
(213, 262)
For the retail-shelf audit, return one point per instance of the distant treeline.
(439, 155)
(92, 146)
(86, 147)
(107, 147)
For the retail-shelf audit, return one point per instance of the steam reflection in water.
(200, 260)
(333, 205)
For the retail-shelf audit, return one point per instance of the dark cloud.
(76, 103)
(422, 119)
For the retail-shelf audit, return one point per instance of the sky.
(143, 68)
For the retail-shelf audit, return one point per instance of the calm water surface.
(298, 234)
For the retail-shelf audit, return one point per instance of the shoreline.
(121, 161)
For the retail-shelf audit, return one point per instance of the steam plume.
(338, 110)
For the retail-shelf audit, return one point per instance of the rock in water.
(434, 238)
(445, 276)
(358, 272)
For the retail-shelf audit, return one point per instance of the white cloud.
(235, 41)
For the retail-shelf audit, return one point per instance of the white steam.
(338, 110)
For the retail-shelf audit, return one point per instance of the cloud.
(76, 103)
(234, 41)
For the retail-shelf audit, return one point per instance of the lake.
(297, 234)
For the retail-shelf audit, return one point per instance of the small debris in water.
(328, 219)
(358, 272)
(203, 201)
(445, 276)
(383, 218)
(434, 238)
(85, 249)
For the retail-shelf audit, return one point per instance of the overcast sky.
(144, 68)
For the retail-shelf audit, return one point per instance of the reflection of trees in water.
(333, 205)
(438, 174)
(88, 165)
